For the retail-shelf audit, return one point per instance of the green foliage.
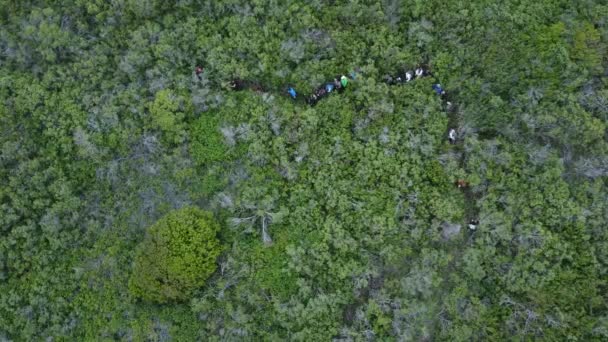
(207, 143)
(167, 116)
(342, 219)
(176, 257)
(587, 47)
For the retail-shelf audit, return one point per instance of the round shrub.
(176, 257)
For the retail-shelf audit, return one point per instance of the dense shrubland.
(336, 221)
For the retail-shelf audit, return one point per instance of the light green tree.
(167, 115)
(176, 257)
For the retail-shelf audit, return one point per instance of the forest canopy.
(158, 180)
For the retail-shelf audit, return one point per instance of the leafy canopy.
(176, 257)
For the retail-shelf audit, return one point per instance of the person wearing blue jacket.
(438, 89)
(292, 92)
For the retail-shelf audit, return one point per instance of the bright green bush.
(176, 257)
(207, 144)
(167, 117)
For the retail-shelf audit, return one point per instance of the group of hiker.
(408, 76)
(339, 83)
(418, 72)
(423, 71)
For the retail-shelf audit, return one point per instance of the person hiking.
(337, 83)
(437, 88)
(198, 71)
(292, 92)
(408, 76)
(452, 136)
(236, 84)
(343, 81)
(312, 100)
(329, 87)
(419, 72)
(321, 92)
(461, 183)
(473, 223)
